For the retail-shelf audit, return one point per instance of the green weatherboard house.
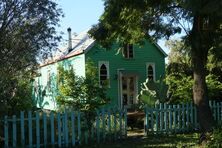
(124, 71)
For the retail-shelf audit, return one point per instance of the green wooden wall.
(148, 53)
(45, 97)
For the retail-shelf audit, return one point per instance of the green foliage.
(215, 140)
(79, 93)
(27, 35)
(130, 21)
(214, 87)
(17, 96)
(153, 92)
(180, 87)
(179, 71)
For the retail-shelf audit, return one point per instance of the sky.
(80, 15)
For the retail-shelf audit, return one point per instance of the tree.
(27, 35)
(201, 20)
(179, 71)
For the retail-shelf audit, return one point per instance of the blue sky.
(82, 14)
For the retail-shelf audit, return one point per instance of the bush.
(81, 93)
(215, 140)
(15, 94)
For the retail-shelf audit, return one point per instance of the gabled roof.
(80, 44)
(83, 42)
(160, 49)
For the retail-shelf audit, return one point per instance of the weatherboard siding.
(142, 55)
(149, 53)
(77, 63)
(48, 100)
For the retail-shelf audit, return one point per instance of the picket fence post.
(170, 117)
(79, 126)
(218, 111)
(109, 123)
(97, 126)
(66, 129)
(6, 130)
(125, 119)
(192, 114)
(37, 130)
(120, 123)
(52, 128)
(30, 127)
(73, 128)
(59, 129)
(103, 124)
(22, 128)
(45, 128)
(161, 116)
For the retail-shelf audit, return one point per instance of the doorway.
(128, 90)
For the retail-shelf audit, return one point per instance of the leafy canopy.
(179, 71)
(27, 35)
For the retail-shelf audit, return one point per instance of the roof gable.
(80, 44)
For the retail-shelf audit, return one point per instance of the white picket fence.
(165, 118)
(62, 129)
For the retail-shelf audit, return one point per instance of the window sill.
(128, 59)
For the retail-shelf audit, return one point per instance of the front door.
(128, 90)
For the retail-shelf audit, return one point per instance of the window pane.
(131, 98)
(124, 99)
(125, 51)
(131, 84)
(103, 72)
(131, 53)
(150, 72)
(103, 75)
(124, 83)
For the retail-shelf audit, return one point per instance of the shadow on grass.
(177, 140)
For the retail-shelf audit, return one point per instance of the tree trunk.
(199, 52)
(200, 95)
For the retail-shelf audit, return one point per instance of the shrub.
(81, 93)
(215, 140)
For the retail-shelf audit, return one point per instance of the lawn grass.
(156, 141)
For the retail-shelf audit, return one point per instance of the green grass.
(171, 141)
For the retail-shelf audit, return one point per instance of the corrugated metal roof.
(80, 43)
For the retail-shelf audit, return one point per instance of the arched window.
(103, 73)
(151, 71)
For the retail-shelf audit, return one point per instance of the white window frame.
(154, 70)
(127, 49)
(106, 63)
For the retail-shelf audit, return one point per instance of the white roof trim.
(161, 50)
